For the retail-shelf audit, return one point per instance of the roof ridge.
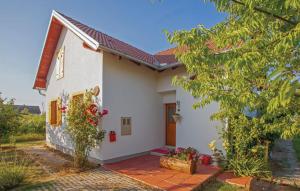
(109, 36)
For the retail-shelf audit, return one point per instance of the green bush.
(12, 172)
(9, 117)
(32, 124)
(249, 166)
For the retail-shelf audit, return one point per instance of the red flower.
(63, 109)
(92, 122)
(92, 109)
(104, 112)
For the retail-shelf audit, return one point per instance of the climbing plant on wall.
(83, 117)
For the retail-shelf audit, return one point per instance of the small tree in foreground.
(82, 126)
(9, 118)
(249, 64)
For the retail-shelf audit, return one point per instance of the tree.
(249, 64)
(8, 117)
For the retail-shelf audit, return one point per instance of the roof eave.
(154, 66)
(86, 38)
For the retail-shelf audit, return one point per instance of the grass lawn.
(296, 144)
(23, 144)
(219, 186)
(16, 167)
(28, 137)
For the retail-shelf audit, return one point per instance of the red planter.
(206, 160)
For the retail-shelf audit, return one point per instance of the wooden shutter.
(59, 113)
(53, 112)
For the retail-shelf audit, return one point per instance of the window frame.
(78, 93)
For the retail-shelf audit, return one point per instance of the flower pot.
(206, 160)
(176, 117)
(179, 165)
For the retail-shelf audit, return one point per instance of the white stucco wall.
(82, 70)
(129, 90)
(195, 129)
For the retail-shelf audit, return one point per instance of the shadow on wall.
(59, 136)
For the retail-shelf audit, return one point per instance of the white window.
(59, 66)
(125, 125)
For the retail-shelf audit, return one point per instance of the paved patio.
(146, 169)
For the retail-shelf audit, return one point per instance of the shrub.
(249, 166)
(83, 128)
(12, 172)
(9, 117)
(11, 176)
(32, 124)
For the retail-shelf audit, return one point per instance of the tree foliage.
(9, 118)
(249, 64)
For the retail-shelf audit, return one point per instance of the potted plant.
(217, 155)
(176, 117)
(181, 159)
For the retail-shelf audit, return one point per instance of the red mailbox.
(112, 136)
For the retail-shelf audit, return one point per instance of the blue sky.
(137, 22)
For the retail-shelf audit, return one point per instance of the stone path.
(285, 166)
(96, 179)
(61, 177)
(50, 161)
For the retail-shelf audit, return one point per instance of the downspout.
(41, 93)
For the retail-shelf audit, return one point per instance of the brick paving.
(60, 176)
(96, 179)
(230, 178)
(147, 170)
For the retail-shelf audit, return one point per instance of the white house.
(135, 87)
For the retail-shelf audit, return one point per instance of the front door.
(170, 124)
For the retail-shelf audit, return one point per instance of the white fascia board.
(170, 66)
(85, 37)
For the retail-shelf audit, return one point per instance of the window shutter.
(49, 112)
(59, 113)
(57, 65)
(61, 63)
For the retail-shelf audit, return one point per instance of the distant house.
(135, 86)
(31, 109)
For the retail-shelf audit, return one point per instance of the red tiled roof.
(166, 56)
(113, 43)
(105, 41)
